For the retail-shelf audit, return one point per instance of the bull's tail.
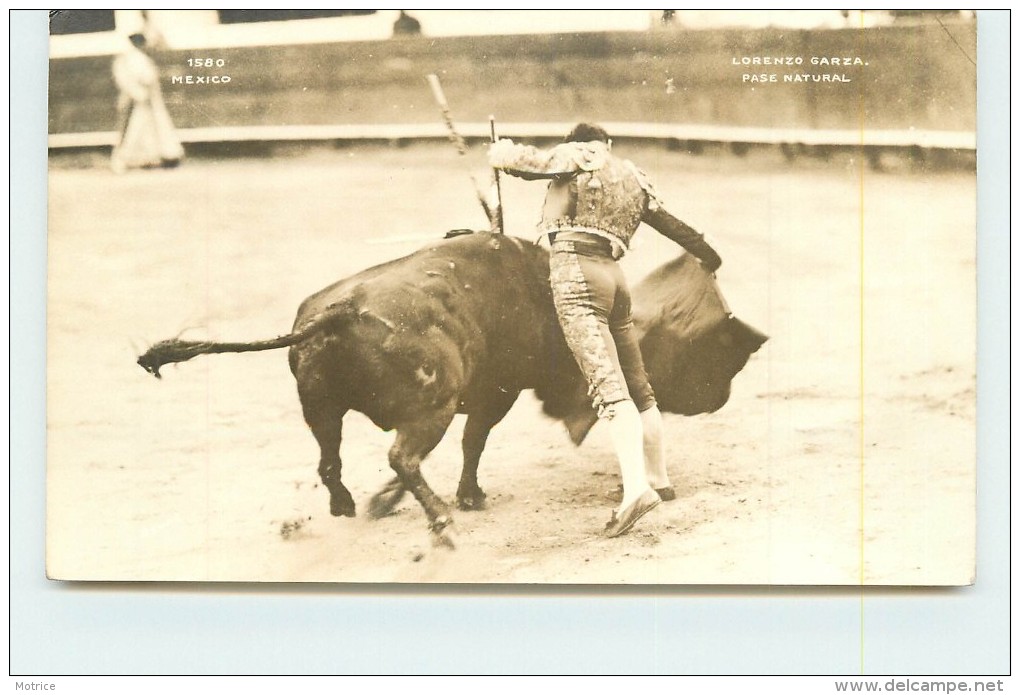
(175, 350)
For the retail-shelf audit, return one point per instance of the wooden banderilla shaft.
(495, 216)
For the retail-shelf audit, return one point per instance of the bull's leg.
(476, 432)
(328, 431)
(413, 443)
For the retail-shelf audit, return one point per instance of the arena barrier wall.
(908, 79)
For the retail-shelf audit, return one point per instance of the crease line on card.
(861, 367)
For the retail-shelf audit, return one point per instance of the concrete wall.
(915, 77)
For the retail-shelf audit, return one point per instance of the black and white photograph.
(507, 297)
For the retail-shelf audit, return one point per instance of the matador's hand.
(501, 152)
(711, 264)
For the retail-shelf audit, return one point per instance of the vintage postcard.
(418, 285)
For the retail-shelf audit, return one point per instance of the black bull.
(463, 326)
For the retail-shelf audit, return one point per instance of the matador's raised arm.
(563, 161)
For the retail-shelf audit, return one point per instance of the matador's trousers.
(594, 309)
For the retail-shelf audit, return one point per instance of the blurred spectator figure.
(406, 25)
(154, 39)
(668, 16)
(146, 136)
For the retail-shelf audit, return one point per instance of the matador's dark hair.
(587, 132)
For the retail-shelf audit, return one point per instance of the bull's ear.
(579, 424)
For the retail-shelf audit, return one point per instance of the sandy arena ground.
(846, 452)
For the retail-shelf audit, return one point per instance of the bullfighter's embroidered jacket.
(593, 191)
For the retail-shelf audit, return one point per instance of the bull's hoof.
(471, 502)
(380, 506)
(443, 535)
(342, 510)
(385, 501)
(341, 504)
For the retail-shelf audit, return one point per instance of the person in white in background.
(145, 133)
